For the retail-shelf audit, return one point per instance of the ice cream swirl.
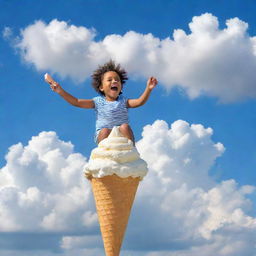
(115, 155)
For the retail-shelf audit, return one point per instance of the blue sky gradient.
(28, 106)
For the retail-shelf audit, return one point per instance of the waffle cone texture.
(114, 198)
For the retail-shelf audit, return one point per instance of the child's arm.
(81, 103)
(134, 103)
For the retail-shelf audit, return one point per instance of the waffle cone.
(114, 197)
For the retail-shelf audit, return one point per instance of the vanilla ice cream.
(115, 155)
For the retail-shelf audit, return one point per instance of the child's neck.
(110, 98)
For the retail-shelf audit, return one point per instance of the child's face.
(111, 85)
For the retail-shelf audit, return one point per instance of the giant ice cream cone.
(114, 198)
(115, 170)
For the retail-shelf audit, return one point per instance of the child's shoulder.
(98, 98)
(122, 98)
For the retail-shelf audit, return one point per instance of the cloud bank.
(179, 208)
(41, 188)
(208, 61)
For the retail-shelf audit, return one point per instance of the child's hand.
(152, 82)
(54, 85)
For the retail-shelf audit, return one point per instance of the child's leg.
(126, 130)
(103, 134)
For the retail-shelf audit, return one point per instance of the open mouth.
(114, 88)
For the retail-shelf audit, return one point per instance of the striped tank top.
(110, 113)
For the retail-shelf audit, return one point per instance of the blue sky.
(203, 80)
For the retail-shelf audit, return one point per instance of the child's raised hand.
(152, 82)
(54, 85)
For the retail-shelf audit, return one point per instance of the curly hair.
(98, 74)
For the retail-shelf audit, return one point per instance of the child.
(111, 106)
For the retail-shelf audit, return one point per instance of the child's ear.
(101, 88)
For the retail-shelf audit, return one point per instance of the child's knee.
(104, 132)
(124, 127)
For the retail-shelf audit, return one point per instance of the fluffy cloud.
(42, 188)
(7, 33)
(207, 61)
(193, 212)
(179, 208)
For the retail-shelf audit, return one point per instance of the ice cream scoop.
(116, 155)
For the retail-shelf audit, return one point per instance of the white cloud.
(179, 208)
(207, 61)
(183, 151)
(60, 48)
(193, 213)
(7, 33)
(70, 242)
(43, 188)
